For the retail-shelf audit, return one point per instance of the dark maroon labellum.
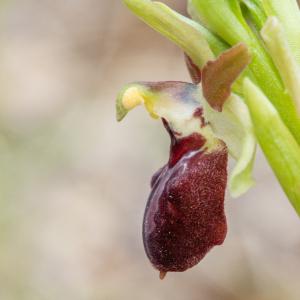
(184, 217)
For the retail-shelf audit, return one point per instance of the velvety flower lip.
(184, 217)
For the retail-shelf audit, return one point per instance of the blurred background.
(74, 182)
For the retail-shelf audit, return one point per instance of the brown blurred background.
(74, 182)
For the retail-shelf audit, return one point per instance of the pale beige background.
(74, 182)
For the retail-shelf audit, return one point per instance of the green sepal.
(182, 31)
(194, 39)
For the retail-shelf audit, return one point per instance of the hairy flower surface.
(184, 217)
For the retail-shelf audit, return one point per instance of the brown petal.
(219, 75)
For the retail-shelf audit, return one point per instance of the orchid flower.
(244, 61)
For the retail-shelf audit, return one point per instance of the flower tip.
(127, 99)
(132, 98)
(121, 112)
(162, 275)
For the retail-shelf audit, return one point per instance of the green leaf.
(278, 144)
(275, 39)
